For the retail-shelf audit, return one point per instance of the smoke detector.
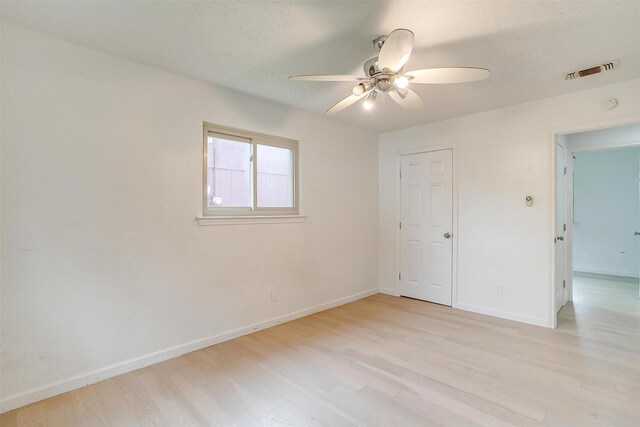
(608, 66)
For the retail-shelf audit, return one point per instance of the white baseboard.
(503, 314)
(389, 291)
(92, 377)
(631, 274)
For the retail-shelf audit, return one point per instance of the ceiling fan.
(384, 74)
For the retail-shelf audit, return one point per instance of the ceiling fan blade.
(327, 78)
(396, 50)
(447, 75)
(346, 102)
(406, 98)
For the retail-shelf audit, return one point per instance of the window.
(247, 173)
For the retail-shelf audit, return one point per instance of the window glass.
(274, 176)
(228, 173)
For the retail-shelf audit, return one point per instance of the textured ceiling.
(254, 46)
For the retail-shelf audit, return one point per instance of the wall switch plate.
(274, 296)
(500, 289)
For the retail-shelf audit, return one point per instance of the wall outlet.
(499, 289)
(274, 296)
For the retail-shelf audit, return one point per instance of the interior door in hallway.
(426, 227)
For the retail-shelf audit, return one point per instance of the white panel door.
(561, 200)
(426, 227)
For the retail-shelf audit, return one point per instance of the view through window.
(249, 174)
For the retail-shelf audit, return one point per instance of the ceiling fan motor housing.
(384, 85)
(382, 79)
(371, 67)
(379, 41)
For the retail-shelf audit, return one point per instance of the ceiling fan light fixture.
(362, 88)
(358, 89)
(370, 100)
(401, 82)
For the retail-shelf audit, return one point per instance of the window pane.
(275, 177)
(228, 173)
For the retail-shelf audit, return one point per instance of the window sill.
(237, 220)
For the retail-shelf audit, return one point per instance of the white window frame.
(255, 139)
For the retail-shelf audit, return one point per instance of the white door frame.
(568, 246)
(568, 254)
(454, 231)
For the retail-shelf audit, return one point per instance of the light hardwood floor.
(386, 361)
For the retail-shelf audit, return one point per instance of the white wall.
(503, 156)
(101, 182)
(606, 211)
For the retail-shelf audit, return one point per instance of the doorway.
(597, 218)
(426, 226)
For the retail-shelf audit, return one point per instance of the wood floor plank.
(144, 408)
(387, 361)
(115, 407)
(166, 400)
(196, 400)
(9, 419)
(34, 415)
(60, 412)
(87, 407)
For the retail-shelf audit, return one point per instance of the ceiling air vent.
(593, 70)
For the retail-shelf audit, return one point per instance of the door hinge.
(564, 284)
(565, 170)
(400, 224)
(399, 276)
(400, 174)
(564, 227)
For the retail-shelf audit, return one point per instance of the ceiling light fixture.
(358, 89)
(362, 88)
(369, 100)
(401, 82)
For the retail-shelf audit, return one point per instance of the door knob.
(447, 235)
(636, 233)
(561, 238)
